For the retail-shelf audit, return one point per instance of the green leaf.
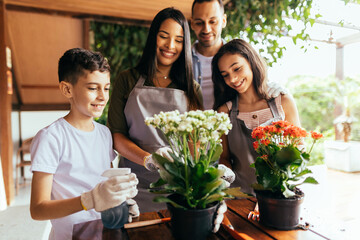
(212, 198)
(160, 182)
(304, 172)
(311, 180)
(161, 191)
(211, 186)
(163, 199)
(174, 170)
(217, 152)
(287, 155)
(236, 192)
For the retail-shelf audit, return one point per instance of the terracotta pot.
(279, 213)
(192, 224)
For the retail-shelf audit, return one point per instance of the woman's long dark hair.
(222, 92)
(181, 70)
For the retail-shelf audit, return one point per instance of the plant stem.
(312, 146)
(195, 148)
(185, 144)
(210, 155)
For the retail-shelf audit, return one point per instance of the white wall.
(31, 123)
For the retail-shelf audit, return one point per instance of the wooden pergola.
(33, 34)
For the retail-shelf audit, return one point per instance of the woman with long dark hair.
(162, 81)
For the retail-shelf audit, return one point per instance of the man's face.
(207, 23)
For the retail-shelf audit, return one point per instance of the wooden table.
(237, 214)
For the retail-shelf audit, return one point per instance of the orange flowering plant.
(281, 165)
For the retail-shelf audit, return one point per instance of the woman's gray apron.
(145, 101)
(242, 152)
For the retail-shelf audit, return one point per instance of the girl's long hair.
(181, 70)
(222, 92)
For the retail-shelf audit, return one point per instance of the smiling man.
(208, 20)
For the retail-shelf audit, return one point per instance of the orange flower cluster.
(316, 135)
(281, 133)
(256, 145)
(281, 128)
(294, 132)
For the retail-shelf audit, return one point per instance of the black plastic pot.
(116, 217)
(282, 214)
(192, 224)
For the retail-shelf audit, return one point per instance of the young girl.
(240, 83)
(162, 81)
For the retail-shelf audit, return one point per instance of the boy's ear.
(66, 89)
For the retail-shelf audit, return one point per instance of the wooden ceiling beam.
(123, 9)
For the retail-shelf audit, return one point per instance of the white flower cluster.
(202, 126)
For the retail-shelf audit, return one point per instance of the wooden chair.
(21, 162)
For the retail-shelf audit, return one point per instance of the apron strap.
(273, 108)
(140, 82)
(234, 108)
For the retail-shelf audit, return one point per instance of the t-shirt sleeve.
(112, 152)
(122, 87)
(44, 152)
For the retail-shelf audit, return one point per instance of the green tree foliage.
(315, 101)
(122, 45)
(263, 22)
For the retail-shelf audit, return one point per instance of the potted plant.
(281, 167)
(192, 177)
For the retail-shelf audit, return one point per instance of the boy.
(69, 156)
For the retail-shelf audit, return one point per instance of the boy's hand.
(133, 209)
(112, 192)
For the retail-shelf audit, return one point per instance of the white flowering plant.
(192, 173)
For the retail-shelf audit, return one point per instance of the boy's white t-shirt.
(207, 86)
(76, 159)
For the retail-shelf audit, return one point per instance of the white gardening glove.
(133, 209)
(149, 162)
(120, 186)
(229, 175)
(219, 216)
(275, 89)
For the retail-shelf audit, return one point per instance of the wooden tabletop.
(237, 214)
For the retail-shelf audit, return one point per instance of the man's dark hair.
(201, 1)
(74, 61)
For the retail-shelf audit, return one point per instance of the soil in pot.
(191, 224)
(279, 212)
